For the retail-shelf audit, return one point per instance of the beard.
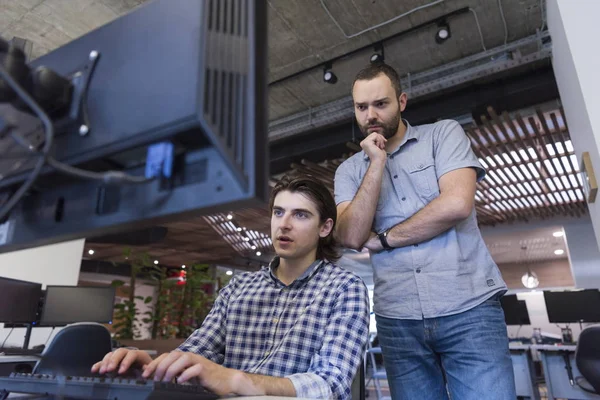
(388, 129)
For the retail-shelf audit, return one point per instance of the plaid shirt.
(313, 331)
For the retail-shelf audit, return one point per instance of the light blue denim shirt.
(448, 274)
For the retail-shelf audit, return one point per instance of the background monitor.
(19, 300)
(573, 306)
(197, 80)
(69, 304)
(515, 310)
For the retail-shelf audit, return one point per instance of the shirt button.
(418, 270)
(416, 245)
(395, 176)
(404, 199)
(267, 353)
(275, 320)
(420, 166)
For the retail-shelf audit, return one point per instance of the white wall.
(574, 27)
(56, 264)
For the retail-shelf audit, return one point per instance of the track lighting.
(530, 280)
(443, 32)
(378, 56)
(328, 75)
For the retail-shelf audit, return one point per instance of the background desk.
(524, 371)
(557, 379)
(10, 364)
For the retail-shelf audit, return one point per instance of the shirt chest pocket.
(424, 179)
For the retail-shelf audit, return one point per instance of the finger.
(115, 359)
(164, 364)
(129, 359)
(195, 371)
(177, 367)
(150, 368)
(104, 363)
(96, 367)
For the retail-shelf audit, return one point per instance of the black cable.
(6, 338)
(107, 176)
(49, 137)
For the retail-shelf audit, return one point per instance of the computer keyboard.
(77, 387)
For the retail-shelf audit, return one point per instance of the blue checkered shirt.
(313, 331)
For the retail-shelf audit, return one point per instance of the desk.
(520, 355)
(555, 372)
(10, 364)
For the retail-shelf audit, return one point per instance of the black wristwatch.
(383, 239)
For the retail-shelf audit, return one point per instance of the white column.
(574, 26)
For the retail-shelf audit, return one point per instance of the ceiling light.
(155, 261)
(253, 247)
(328, 75)
(183, 267)
(559, 252)
(558, 234)
(443, 33)
(530, 280)
(91, 252)
(229, 217)
(246, 239)
(258, 253)
(229, 273)
(377, 57)
(239, 229)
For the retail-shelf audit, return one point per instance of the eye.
(301, 214)
(277, 213)
(381, 104)
(361, 108)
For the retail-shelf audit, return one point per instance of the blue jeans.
(465, 355)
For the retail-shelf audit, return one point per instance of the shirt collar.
(411, 134)
(269, 272)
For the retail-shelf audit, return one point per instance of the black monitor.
(189, 75)
(515, 310)
(19, 301)
(573, 306)
(69, 304)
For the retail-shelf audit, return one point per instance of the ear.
(326, 228)
(402, 100)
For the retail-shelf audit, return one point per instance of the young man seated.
(296, 328)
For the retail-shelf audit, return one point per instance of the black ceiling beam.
(434, 21)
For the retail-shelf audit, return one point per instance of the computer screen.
(69, 304)
(515, 310)
(19, 300)
(187, 76)
(573, 306)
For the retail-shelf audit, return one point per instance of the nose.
(285, 222)
(371, 114)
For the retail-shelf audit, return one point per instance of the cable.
(397, 17)
(478, 28)
(518, 330)
(503, 21)
(107, 176)
(50, 335)
(543, 11)
(49, 137)
(6, 338)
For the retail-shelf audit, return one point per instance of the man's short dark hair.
(374, 70)
(328, 247)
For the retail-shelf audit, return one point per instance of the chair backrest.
(74, 350)
(587, 356)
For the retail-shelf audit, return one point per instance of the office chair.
(377, 374)
(74, 350)
(587, 356)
